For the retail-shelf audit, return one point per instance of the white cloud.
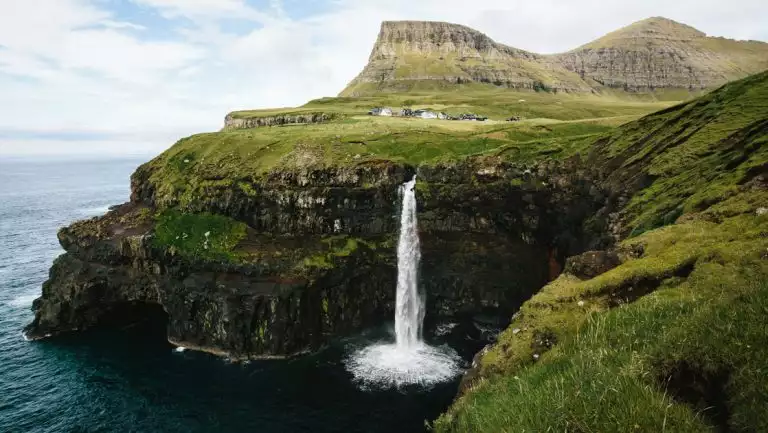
(76, 65)
(205, 9)
(121, 25)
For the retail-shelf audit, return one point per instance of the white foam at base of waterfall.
(394, 366)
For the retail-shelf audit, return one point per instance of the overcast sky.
(133, 76)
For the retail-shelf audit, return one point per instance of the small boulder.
(591, 264)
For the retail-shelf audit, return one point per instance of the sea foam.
(23, 300)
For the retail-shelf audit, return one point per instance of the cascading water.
(409, 311)
(409, 361)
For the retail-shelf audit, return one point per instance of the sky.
(134, 76)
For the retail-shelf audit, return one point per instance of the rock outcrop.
(233, 122)
(656, 53)
(591, 264)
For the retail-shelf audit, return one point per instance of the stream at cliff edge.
(132, 380)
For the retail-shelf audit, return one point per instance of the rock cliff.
(316, 256)
(233, 122)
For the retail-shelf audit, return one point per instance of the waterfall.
(409, 361)
(409, 309)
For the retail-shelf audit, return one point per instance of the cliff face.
(650, 54)
(317, 258)
(231, 122)
(428, 37)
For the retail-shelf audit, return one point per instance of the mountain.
(420, 54)
(661, 53)
(656, 53)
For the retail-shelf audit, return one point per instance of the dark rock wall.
(488, 233)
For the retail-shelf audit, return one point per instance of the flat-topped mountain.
(656, 53)
(421, 54)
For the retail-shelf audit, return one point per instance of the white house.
(424, 114)
(380, 111)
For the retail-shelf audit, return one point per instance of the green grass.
(340, 247)
(224, 158)
(557, 126)
(233, 159)
(608, 368)
(696, 154)
(496, 103)
(199, 236)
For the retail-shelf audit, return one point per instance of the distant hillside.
(661, 53)
(656, 53)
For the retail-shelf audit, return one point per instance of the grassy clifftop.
(496, 103)
(555, 125)
(674, 338)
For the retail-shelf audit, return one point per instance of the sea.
(132, 380)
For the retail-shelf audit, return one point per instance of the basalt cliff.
(656, 53)
(312, 252)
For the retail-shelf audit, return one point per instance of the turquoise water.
(132, 380)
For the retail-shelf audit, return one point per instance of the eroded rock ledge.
(318, 256)
(234, 122)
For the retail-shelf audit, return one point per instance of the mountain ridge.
(654, 53)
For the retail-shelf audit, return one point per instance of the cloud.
(121, 25)
(205, 10)
(156, 70)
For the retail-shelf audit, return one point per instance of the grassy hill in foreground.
(674, 338)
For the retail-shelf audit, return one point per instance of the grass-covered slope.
(552, 125)
(674, 338)
(692, 155)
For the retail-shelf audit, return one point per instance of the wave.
(94, 211)
(23, 300)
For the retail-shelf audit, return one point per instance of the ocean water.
(133, 380)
